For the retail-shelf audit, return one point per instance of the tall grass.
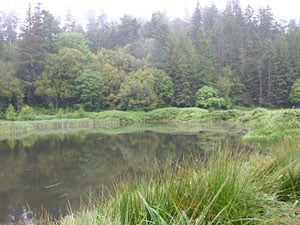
(230, 186)
(215, 191)
(81, 119)
(271, 126)
(21, 127)
(284, 170)
(268, 126)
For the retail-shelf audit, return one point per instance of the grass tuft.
(226, 187)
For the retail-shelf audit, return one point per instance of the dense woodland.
(235, 56)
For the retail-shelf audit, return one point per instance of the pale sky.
(114, 9)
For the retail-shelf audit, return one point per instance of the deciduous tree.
(89, 88)
(60, 73)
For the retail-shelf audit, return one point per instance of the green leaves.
(61, 70)
(295, 92)
(10, 113)
(208, 97)
(9, 85)
(163, 86)
(74, 41)
(137, 91)
(88, 87)
(246, 55)
(27, 113)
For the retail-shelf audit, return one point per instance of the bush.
(209, 97)
(10, 113)
(60, 114)
(27, 113)
(80, 113)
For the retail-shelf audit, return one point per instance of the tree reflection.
(49, 170)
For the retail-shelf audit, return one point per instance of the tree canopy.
(240, 56)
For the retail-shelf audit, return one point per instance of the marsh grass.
(227, 186)
(285, 179)
(216, 190)
(268, 126)
(21, 127)
(271, 126)
(80, 119)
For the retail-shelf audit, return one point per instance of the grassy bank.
(23, 127)
(106, 119)
(266, 126)
(230, 186)
(270, 126)
(227, 186)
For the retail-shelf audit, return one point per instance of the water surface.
(49, 172)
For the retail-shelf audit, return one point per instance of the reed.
(284, 180)
(21, 127)
(229, 186)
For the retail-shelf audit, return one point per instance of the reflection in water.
(46, 172)
(19, 215)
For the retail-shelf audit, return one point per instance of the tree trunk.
(260, 82)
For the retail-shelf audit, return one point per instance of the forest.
(211, 59)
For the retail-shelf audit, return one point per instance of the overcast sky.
(114, 9)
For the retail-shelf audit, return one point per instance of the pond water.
(51, 171)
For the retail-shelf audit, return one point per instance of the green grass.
(23, 127)
(229, 186)
(285, 169)
(271, 126)
(265, 126)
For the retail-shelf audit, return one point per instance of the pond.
(52, 172)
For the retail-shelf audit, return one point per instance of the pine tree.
(37, 40)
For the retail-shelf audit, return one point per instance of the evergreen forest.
(211, 59)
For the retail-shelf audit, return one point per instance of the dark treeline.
(243, 57)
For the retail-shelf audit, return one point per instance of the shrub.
(209, 97)
(80, 113)
(10, 113)
(27, 113)
(60, 114)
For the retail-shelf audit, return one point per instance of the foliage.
(137, 91)
(208, 97)
(248, 56)
(287, 119)
(73, 40)
(191, 195)
(37, 40)
(10, 113)
(230, 187)
(61, 70)
(80, 113)
(273, 127)
(114, 66)
(163, 87)
(27, 113)
(120, 59)
(10, 86)
(295, 92)
(88, 87)
(224, 115)
(112, 79)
